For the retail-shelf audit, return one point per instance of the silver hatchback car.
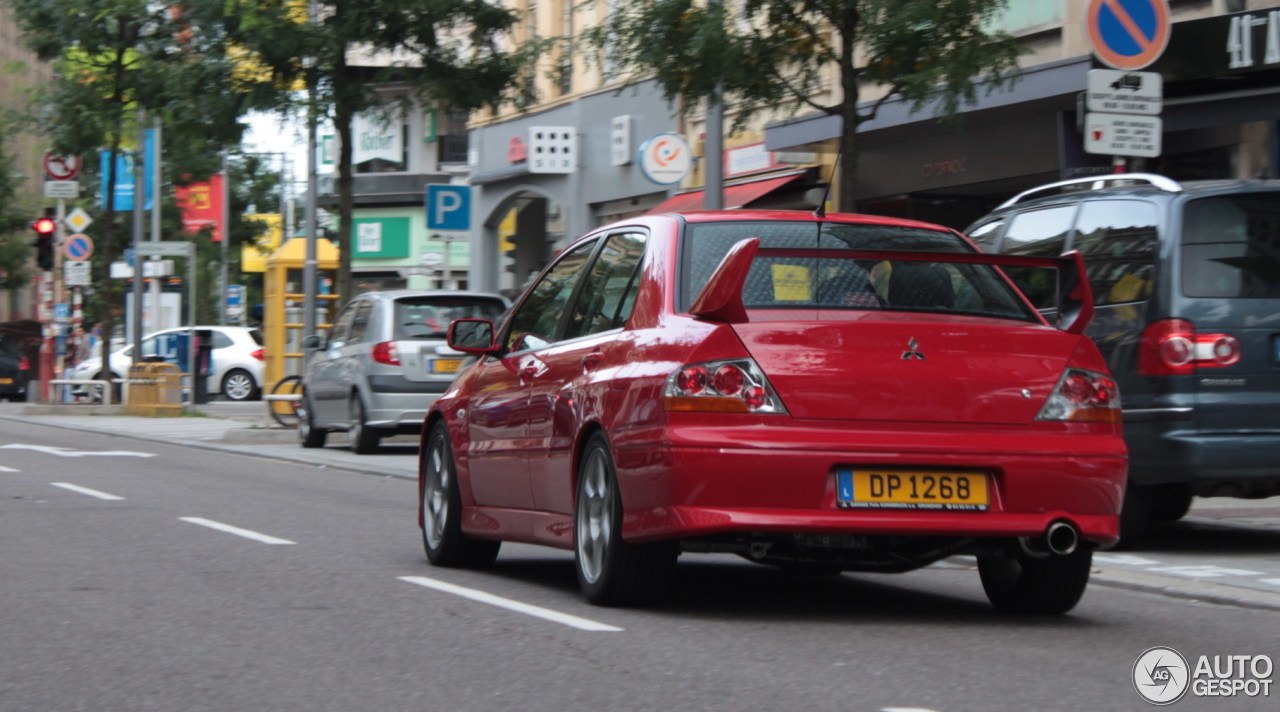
(383, 363)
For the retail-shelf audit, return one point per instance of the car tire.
(309, 436)
(238, 385)
(1049, 585)
(442, 536)
(363, 439)
(610, 571)
(1171, 504)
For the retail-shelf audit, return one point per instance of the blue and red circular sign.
(77, 247)
(1128, 34)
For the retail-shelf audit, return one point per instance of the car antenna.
(820, 212)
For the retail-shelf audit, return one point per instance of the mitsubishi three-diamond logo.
(911, 351)
(1161, 676)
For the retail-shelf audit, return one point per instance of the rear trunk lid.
(910, 367)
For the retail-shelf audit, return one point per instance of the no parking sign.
(1128, 34)
(77, 247)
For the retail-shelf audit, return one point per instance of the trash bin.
(155, 389)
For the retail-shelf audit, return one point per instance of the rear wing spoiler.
(721, 298)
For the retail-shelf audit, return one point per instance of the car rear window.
(1231, 247)
(429, 317)
(840, 283)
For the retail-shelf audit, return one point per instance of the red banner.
(201, 206)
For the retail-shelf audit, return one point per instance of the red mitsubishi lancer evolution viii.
(815, 392)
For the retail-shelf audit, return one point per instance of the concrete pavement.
(1226, 551)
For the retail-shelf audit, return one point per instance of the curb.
(1190, 590)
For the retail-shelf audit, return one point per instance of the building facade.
(1221, 87)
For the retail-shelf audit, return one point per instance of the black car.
(15, 369)
(1186, 279)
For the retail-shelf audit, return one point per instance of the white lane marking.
(1204, 571)
(905, 709)
(1273, 582)
(85, 490)
(517, 606)
(8, 469)
(68, 452)
(246, 533)
(1123, 560)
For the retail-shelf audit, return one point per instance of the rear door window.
(1120, 240)
(1231, 247)
(605, 300)
(1038, 233)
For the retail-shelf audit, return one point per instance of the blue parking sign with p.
(448, 207)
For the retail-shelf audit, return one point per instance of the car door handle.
(591, 360)
(527, 374)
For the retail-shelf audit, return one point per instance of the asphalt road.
(142, 575)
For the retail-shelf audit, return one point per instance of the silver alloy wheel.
(435, 494)
(238, 386)
(595, 517)
(357, 421)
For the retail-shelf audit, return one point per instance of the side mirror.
(472, 336)
(315, 341)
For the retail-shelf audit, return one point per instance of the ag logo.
(1161, 676)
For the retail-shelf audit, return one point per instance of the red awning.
(735, 196)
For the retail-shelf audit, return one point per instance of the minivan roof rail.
(1096, 182)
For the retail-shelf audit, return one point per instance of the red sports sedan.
(826, 393)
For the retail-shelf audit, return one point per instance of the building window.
(453, 142)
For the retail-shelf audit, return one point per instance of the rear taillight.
(737, 386)
(260, 354)
(1171, 347)
(24, 364)
(387, 353)
(1084, 397)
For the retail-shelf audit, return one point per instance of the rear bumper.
(402, 412)
(673, 491)
(1171, 453)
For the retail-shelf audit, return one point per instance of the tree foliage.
(114, 57)
(447, 53)
(765, 54)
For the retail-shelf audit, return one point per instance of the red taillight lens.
(729, 380)
(24, 364)
(1171, 347)
(386, 353)
(260, 354)
(737, 386)
(692, 380)
(1083, 396)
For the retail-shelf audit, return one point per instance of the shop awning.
(735, 196)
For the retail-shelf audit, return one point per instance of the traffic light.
(44, 227)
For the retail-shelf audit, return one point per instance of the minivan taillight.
(24, 364)
(386, 352)
(1171, 347)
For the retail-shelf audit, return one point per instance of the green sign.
(380, 238)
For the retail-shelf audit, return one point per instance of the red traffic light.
(44, 226)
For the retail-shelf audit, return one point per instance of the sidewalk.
(243, 428)
(1210, 574)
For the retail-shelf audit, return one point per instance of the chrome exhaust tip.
(1060, 539)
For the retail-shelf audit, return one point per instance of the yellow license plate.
(446, 365)
(912, 489)
(6, 381)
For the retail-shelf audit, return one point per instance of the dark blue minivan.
(1186, 279)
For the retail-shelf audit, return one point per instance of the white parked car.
(236, 360)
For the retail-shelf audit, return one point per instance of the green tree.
(770, 53)
(15, 237)
(448, 53)
(114, 57)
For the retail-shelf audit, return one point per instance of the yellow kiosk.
(282, 310)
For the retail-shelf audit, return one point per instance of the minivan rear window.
(1231, 247)
(429, 317)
